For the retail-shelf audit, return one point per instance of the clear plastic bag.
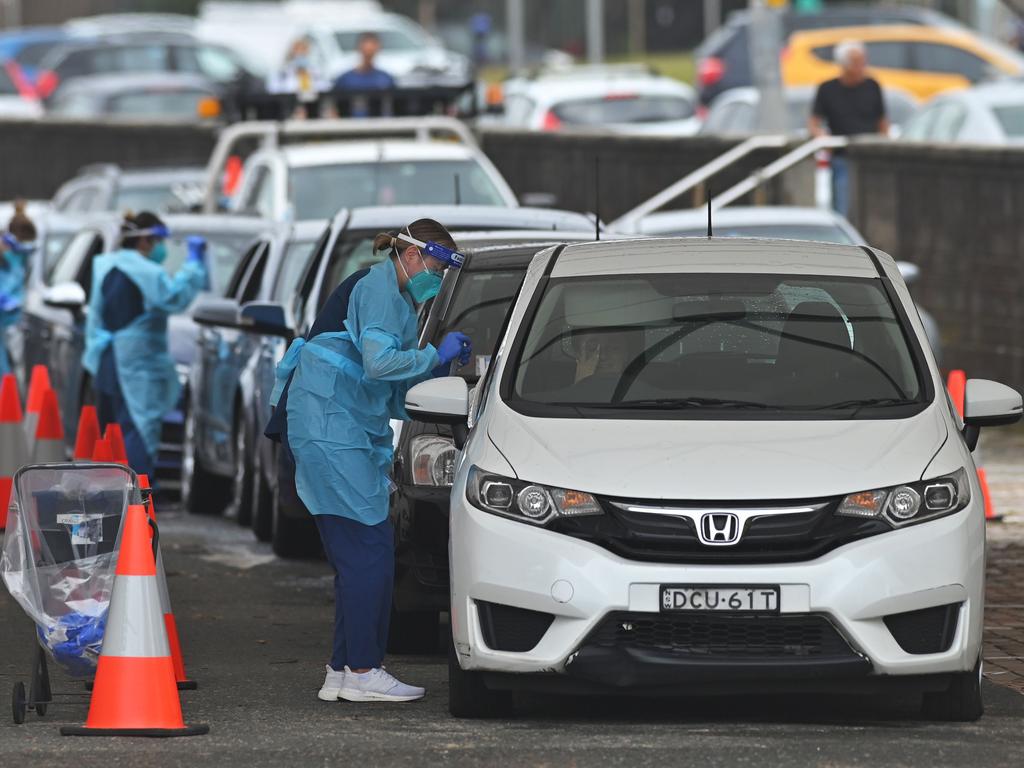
(60, 551)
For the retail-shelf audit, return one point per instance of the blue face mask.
(159, 252)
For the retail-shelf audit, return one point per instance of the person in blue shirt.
(336, 392)
(366, 77)
(16, 247)
(126, 349)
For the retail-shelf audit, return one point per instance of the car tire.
(414, 632)
(241, 499)
(469, 697)
(202, 492)
(961, 702)
(262, 521)
(293, 537)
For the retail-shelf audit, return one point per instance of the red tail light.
(551, 122)
(46, 84)
(710, 71)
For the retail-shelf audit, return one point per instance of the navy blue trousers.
(363, 559)
(112, 409)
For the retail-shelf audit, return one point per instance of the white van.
(701, 465)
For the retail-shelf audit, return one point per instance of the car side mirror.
(216, 312)
(265, 318)
(69, 296)
(441, 401)
(911, 272)
(989, 404)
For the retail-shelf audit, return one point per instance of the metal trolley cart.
(58, 561)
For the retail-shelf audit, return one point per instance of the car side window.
(140, 58)
(75, 64)
(84, 277)
(260, 197)
(888, 55)
(937, 57)
(242, 270)
(217, 64)
(66, 268)
(309, 278)
(250, 289)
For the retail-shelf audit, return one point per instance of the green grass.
(679, 65)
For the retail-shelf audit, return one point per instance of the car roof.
(118, 83)
(202, 223)
(140, 177)
(991, 94)
(478, 217)
(582, 88)
(742, 215)
(710, 255)
(386, 150)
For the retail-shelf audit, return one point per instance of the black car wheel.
(468, 697)
(293, 537)
(263, 503)
(241, 501)
(413, 632)
(202, 492)
(961, 702)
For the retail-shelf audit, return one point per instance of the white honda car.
(698, 465)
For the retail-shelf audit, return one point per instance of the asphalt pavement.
(256, 635)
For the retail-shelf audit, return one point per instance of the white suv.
(699, 465)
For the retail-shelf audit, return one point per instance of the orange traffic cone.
(13, 446)
(184, 684)
(48, 447)
(101, 452)
(115, 437)
(87, 435)
(37, 386)
(990, 510)
(957, 386)
(134, 693)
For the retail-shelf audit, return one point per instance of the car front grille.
(705, 636)
(667, 538)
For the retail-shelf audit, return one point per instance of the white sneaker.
(377, 685)
(333, 683)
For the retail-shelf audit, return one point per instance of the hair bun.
(20, 205)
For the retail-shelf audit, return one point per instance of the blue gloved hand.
(196, 249)
(9, 303)
(455, 345)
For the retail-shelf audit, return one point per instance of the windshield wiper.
(688, 402)
(871, 402)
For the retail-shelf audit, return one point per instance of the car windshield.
(477, 308)
(319, 191)
(390, 40)
(716, 346)
(1011, 120)
(165, 196)
(817, 233)
(629, 108)
(222, 256)
(179, 104)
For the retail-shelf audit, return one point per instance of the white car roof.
(740, 216)
(991, 94)
(334, 153)
(722, 255)
(556, 90)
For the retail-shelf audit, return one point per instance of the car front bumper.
(582, 586)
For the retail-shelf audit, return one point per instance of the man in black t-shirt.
(849, 105)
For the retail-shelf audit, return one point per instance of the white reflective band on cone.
(135, 626)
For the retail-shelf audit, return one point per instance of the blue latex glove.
(9, 303)
(454, 345)
(196, 249)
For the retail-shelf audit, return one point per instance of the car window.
(319, 191)
(81, 200)
(130, 58)
(351, 253)
(65, 266)
(233, 289)
(223, 253)
(297, 255)
(75, 64)
(1011, 119)
(161, 196)
(695, 345)
(54, 244)
(32, 55)
(886, 54)
(217, 64)
(179, 104)
(477, 308)
(936, 57)
(390, 40)
(253, 280)
(624, 108)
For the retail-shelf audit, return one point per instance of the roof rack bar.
(770, 171)
(630, 220)
(275, 133)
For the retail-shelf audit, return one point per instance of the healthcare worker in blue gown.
(126, 349)
(17, 244)
(336, 392)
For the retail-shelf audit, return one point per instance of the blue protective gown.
(12, 283)
(145, 371)
(345, 388)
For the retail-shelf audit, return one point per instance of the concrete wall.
(958, 213)
(37, 157)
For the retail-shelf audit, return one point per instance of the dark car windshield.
(715, 345)
(223, 253)
(477, 308)
(319, 191)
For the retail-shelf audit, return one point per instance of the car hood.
(718, 460)
(182, 339)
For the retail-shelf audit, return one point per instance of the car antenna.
(709, 213)
(458, 191)
(597, 198)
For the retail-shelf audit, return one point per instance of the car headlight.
(433, 460)
(526, 502)
(911, 503)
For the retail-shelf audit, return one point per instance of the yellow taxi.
(921, 60)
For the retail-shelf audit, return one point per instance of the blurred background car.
(987, 114)
(159, 96)
(723, 59)
(922, 61)
(624, 99)
(17, 98)
(108, 187)
(735, 112)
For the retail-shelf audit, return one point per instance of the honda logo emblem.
(719, 528)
